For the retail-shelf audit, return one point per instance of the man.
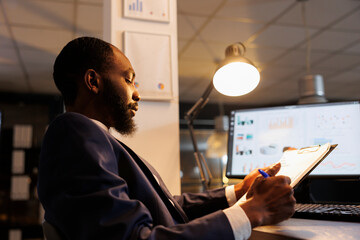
(94, 187)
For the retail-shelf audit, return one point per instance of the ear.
(92, 80)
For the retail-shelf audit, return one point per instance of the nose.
(136, 95)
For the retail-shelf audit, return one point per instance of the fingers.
(284, 179)
(277, 186)
(284, 209)
(262, 185)
(279, 199)
(257, 181)
(280, 179)
(272, 201)
(273, 169)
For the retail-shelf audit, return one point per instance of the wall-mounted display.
(149, 55)
(153, 10)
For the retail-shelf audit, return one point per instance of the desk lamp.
(235, 76)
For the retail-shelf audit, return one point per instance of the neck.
(97, 113)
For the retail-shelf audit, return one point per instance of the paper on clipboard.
(297, 164)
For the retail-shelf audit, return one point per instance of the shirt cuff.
(239, 222)
(230, 195)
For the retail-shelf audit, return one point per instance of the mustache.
(133, 106)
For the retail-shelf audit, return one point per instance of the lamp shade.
(236, 75)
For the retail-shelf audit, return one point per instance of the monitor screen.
(257, 137)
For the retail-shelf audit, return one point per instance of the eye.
(129, 80)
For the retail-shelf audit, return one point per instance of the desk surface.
(295, 228)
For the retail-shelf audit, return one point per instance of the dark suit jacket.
(95, 187)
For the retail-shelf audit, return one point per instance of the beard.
(119, 110)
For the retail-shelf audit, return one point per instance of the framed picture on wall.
(152, 10)
(150, 57)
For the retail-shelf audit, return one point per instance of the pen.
(264, 174)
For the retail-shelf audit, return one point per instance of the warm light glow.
(236, 79)
(216, 145)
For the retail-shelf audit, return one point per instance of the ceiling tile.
(254, 10)
(348, 23)
(262, 55)
(345, 78)
(215, 50)
(331, 40)
(5, 40)
(276, 74)
(9, 70)
(196, 69)
(30, 38)
(340, 61)
(88, 24)
(281, 36)
(181, 44)
(198, 7)
(285, 91)
(228, 32)
(319, 13)
(39, 65)
(198, 51)
(2, 20)
(38, 61)
(354, 49)
(40, 13)
(188, 25)
(297, 58)
(100, 2)
(8, 56)
(344, 87)
(324, 72)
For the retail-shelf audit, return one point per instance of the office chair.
(50, 232)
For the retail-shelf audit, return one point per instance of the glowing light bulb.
(236, 79)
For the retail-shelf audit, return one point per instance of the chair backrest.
(50, 232)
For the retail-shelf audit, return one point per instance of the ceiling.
(32, 32)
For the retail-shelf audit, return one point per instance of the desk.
(295, 228)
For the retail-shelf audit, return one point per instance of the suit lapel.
(150, 172)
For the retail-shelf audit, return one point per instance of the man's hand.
(243, 187)
(271, 201)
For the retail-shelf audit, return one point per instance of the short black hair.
(75, 59)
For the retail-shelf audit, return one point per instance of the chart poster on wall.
(150, 57)
(153, 10)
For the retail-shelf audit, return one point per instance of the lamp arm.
(200, 104)
(190, 116)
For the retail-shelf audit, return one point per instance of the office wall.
(157, 138)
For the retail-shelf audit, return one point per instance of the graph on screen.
(257, 137)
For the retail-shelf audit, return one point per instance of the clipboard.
(298, 173)
(299, 163)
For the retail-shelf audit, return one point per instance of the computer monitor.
(258, 136)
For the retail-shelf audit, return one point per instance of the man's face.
(120, 94)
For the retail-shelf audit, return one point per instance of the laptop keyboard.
(334, 212)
